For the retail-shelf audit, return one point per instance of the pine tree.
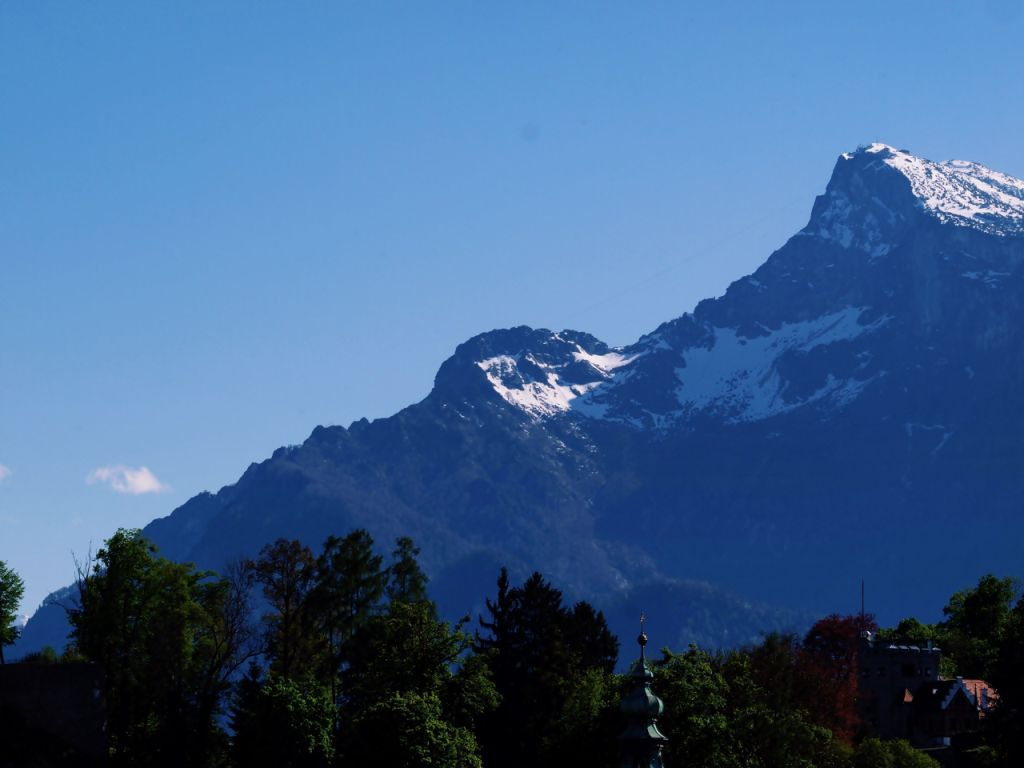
(287, 572)
(537, 650)
(350, 582)
(407, 582)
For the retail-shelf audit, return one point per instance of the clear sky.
(222, 224)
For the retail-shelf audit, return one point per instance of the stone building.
(902, 696)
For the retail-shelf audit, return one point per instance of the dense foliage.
(346, 662)
(550, 665)
(12, 588)
(973, 631)
(170, 639)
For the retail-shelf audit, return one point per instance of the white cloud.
(5, 472)
(127, 479)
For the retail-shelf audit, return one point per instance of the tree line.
(337, 658)
(296, 658)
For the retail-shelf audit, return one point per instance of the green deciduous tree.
(875, 753)
(404, 649)
(905, 756)
(164, 634)
(587, 725)
(406, 729)
(974, 624)
(698, 719)
(282, 723)
(872, 753)
(767, 718)
(12, 589)
(408, 675)
(911, 631)
(742, 709)
(1008, 680)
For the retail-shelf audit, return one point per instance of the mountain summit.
(736, 357)
(877, 192)
(852, 409)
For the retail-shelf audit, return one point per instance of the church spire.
(641, 742)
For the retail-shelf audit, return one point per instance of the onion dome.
(641, 742)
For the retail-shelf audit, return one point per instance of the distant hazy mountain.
(852, 410)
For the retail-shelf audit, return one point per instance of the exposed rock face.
(853, 409)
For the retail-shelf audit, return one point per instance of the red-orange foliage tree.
(828, 672)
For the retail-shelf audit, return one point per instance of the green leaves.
(1008, 679)
(407, 729)
(398, 684)
(975, 621)
(12, 589)
(283, 723)
(349, 585)
(875, 753)
(697, 709)
(161, 631)
(405, 649)
(409, 695)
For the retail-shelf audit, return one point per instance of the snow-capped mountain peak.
(550, 384)
(877, 191)
(961, 192)
(728, 373)
(797, 334)
(848, 400)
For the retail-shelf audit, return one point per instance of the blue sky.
(222, 224)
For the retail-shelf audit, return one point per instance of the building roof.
(938, 695)
(984, 694)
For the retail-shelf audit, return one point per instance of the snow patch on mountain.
(515, 378)
(537, 398)
(605, 363)
(961, 192)
(876, 192)
(875, 202)
(739, 377)
(733, 376)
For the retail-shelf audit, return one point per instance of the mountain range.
(853, 410)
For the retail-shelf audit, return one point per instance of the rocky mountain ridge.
(729, 360)
(850, 410)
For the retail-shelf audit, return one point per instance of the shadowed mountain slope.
(851, 410)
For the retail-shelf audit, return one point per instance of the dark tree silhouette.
(537, 650)
(12, 589)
